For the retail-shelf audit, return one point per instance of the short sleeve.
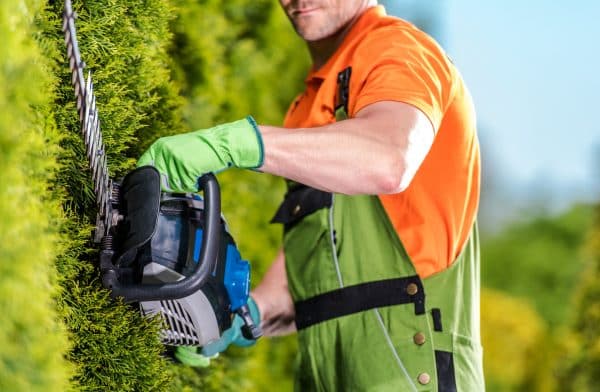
(405, 65)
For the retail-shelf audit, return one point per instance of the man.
(379, 271)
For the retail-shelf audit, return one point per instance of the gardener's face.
(315, 20)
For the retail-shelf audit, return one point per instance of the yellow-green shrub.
(511, 334)
(124, 45)
(32, 339)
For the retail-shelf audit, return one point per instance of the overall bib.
(366, 321)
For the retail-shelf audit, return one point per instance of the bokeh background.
(167, 66)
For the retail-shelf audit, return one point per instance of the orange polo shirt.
(392, 60)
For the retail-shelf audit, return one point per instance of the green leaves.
(580, 370)
(124, 45)
(536, 268)
(540, 260)
(33, 338)
(236, 58)
(159, 68)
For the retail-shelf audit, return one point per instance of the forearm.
(377, 152)
(328, 158)
(274, 300)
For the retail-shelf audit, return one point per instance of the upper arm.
(404, 92)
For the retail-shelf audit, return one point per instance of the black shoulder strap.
(343, 90)
(300, 201)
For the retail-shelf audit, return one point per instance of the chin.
(312, 35)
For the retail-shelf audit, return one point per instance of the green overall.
(366, 321)
(386, 348)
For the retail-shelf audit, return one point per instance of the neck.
(322, 50)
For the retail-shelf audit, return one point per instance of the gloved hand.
(182, 159)
(234, 334)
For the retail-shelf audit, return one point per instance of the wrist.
(243, 142)
(259, 140)
(257, 307)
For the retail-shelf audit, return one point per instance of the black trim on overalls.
(436, 315)
(444, 364)
(299, 201)
(358, 298)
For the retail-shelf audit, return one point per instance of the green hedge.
(537, 264)
(32, 339)
(125, 46)
(160, 67)
(124, 43)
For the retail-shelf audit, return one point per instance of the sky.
(533, 70)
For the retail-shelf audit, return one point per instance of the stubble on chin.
(315, 30)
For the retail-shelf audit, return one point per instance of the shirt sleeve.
(404, 65)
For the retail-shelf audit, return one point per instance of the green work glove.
(182, 159)
(234, 334)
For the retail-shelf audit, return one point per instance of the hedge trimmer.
(171, 253)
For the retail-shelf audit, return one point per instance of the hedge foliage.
(33, 338)
(144, 91)
(533, 270)
(511, 334)
(125, 46)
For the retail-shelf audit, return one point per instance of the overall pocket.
(307, 241)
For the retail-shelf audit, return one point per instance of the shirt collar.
(359, 27)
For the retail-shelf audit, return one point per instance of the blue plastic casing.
(237, 271)
(237, 278)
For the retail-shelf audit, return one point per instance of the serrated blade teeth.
(89, 120)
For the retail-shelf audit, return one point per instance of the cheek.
(346, 9)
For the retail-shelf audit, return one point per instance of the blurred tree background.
(167, 66)
(537, 273)
(232, 59)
